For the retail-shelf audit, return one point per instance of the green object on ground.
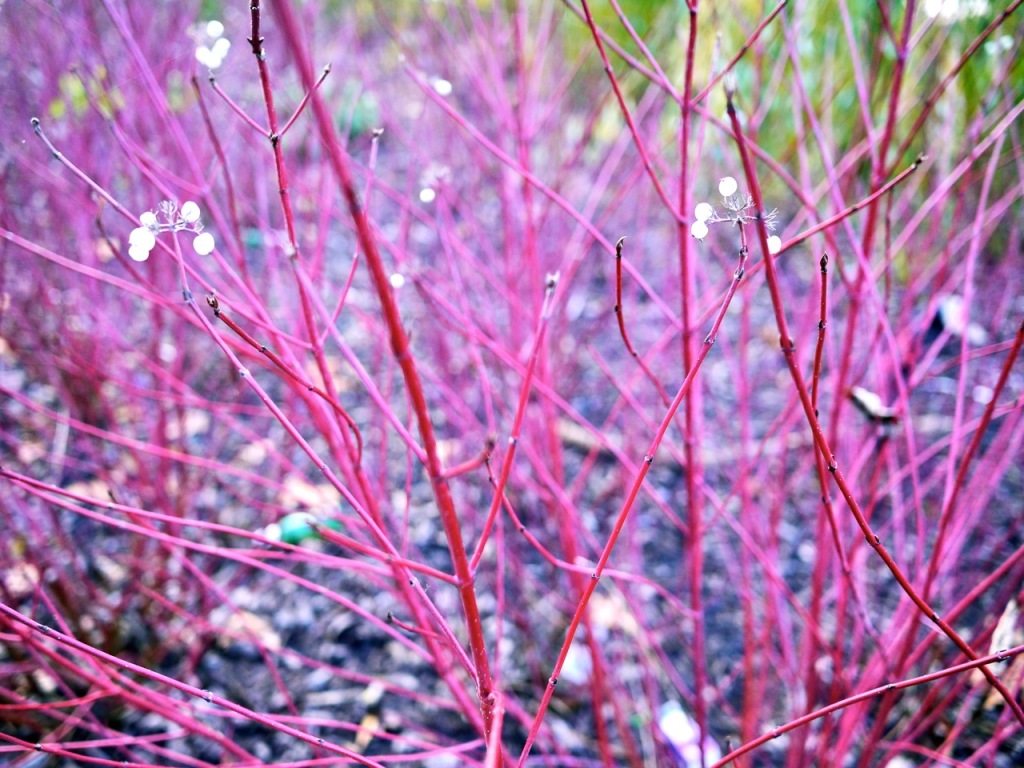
(297, 527)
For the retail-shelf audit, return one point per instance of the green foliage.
(77, 93)
(825, 60)
(211, 9)
(359, 110)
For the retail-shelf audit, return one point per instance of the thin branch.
(627, 508)
(788, 346)
(741, 52)
(241, 113)
(218, 312)
(978, 663)
(305, 100)
(620, 316)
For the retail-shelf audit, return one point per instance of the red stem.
(403, 355)
(305, 100)
(691, 415)
(288, 371)
(789, 353)
(517, 425)
(269, 722)
(620, 315)
(637, 138)
(627, 508)
(976, 663)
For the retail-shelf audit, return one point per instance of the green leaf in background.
(359, 112)
(73, 91)
(77, 95)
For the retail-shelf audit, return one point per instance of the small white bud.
(442, 86)
(729, 82)
(427, 195)
(220, 47)
(148, 219)
(138, 253)
(699, 230)
(727, 186)
(703, 212)
(982, 394)
(774, 244)
(397, 280)
(203, 244)
(142, 238)
(211, 59)
(214, 28)
(189, 212)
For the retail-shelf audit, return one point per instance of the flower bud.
(142, 238)
(203, 244)
(189, 212)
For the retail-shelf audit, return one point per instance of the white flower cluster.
(212, 46)
(736, 205)
(949, 11)
(168, 217)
